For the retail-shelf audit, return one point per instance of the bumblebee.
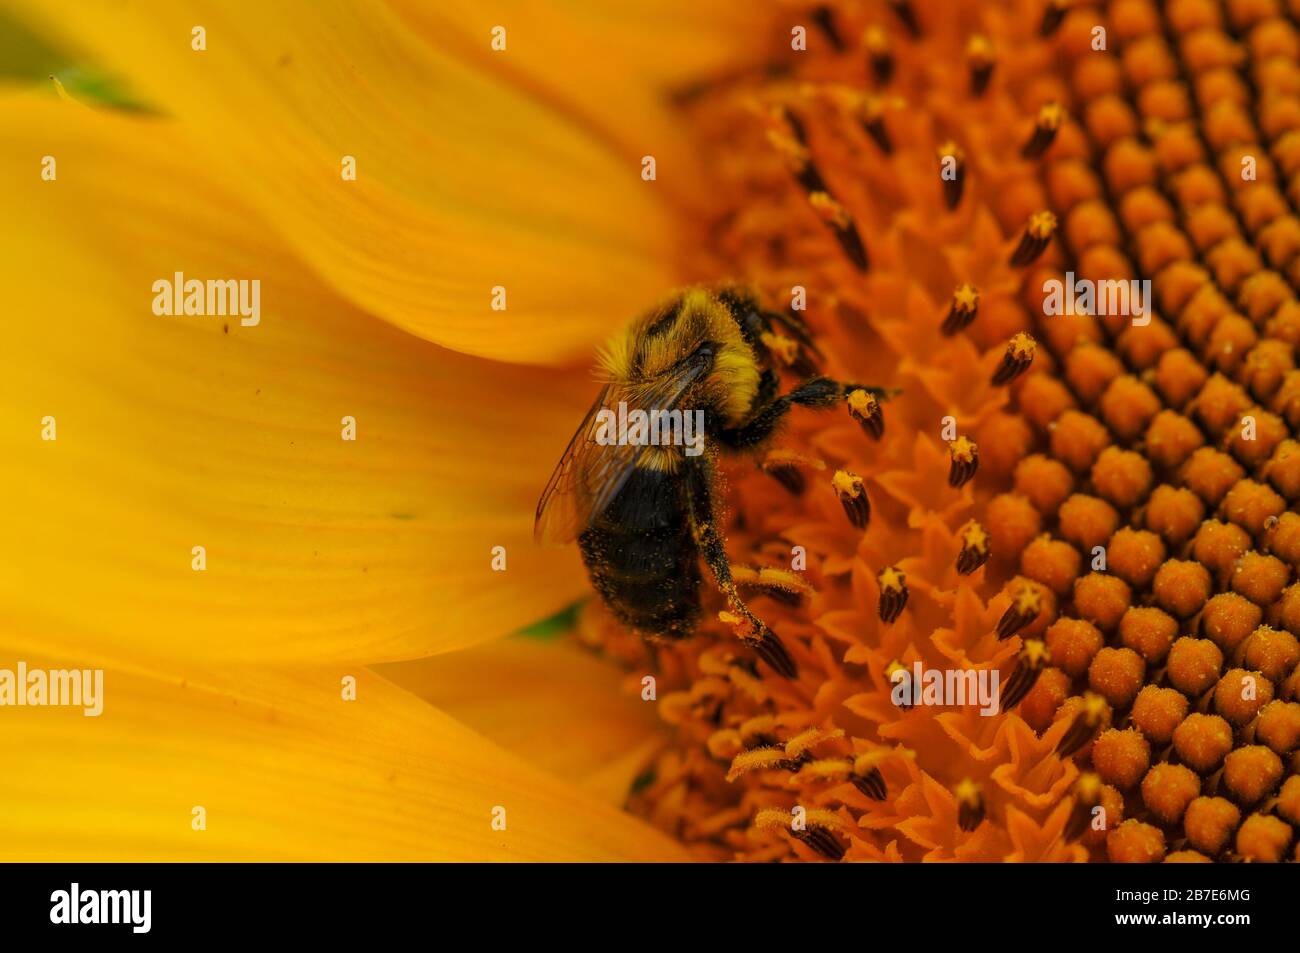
(644, 510)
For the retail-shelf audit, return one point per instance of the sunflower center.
(1090, 503)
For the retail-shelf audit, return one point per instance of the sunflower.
(294, 543)
(200, 527)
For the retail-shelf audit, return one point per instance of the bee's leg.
(699, 479)
(779, 584)
(767, 387)
(757, 324)
(790, 322)
(817, 392)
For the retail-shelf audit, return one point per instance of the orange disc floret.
(1101, 599)
(1179, 376)
(1254, 441)
(1196, 321)
(1087, 521)
(1049, 692)
(1175, 286)
(1278, 115)
(1286, 611)
(1209, 822)
(1229, 618)
(1233, 261)
(1250, 504)
(1043, 398)
(1166, 101)
(1089, 369)
(1142, 346)
(1210, 473)
(1287, 399)
(1278, 726)
(1283, 472)
(1070, 182)
(1186, 857)
(1129, 164)
(1134, 555)
(1202, 741)
(1138, 25)
(1272, 652)
(1174, 513)
(1281, 243)
(1168, 789)
(1280, 240)
(1112, 815)
(1148, 631)
(1267, 364)
(1161, 244)
(1094, 76)
(1141, 207)
(1251, 772)
(1210, 224)
(1260, 578)
(1134, 842)
(1128, 406)
(1121, 757)
(1013, 522)
(1121, 476)
(1044, 482)
(1230, 341)
(1219, 545)
(1181, 587)
(1282, 538)
(1171, 438)
(1288, 799)
(1194, 665)
(1003, 439)
(1108, 119)
(1077, 439)
(1263, 838)
(1240, 695)
(1052, 562)
(1156, 713)
(1260, 296)
(1270, 37)
(1290, 689)
(1073, 644)
(1116, 675)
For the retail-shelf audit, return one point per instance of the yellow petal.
(464, 181)
(620, 68)
(284, 769)
(555, 705)
(188, 431)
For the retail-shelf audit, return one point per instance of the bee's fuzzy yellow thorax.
(652, 344)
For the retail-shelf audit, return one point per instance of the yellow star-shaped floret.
(891, 579)
(966, 297)
(963, 449)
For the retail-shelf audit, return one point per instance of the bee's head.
(670, 338)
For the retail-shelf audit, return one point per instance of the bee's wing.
(559, 517)
(590, 474)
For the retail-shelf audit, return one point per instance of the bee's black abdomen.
(642, 557)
